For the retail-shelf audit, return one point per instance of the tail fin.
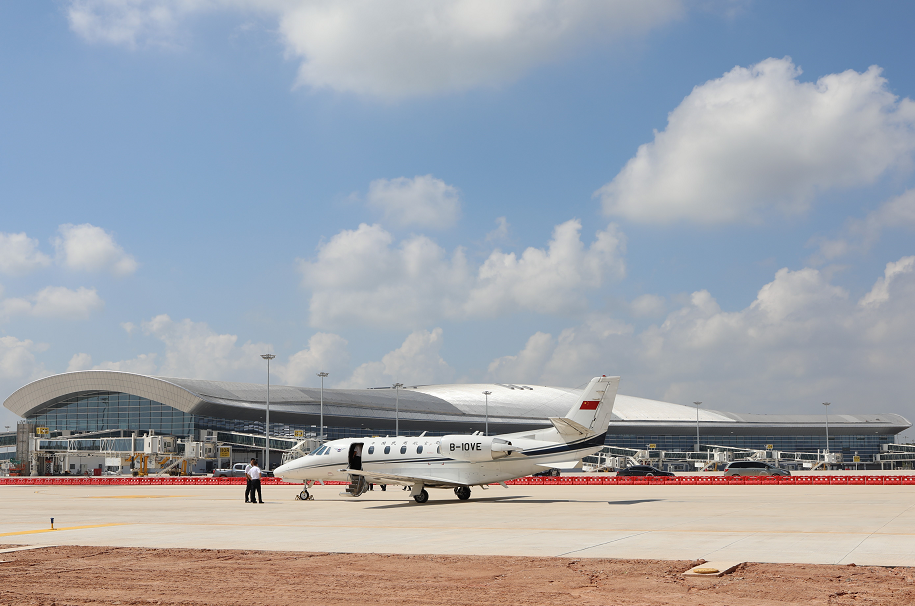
(596, 405)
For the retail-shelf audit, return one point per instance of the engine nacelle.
(476, 449)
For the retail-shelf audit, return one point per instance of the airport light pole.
(267, 357)
(487, 394)
(698, 404)
(397, 387)
(826, 404)
(321, 434)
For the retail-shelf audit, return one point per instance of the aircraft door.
(355, 456)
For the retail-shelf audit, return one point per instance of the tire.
(462, 492)
(304, 494)
(422, 497)
(384, 487)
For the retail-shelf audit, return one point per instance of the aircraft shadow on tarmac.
(519, 499)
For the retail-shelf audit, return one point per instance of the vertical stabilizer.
(596, 405)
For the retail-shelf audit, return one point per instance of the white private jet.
(460, 461)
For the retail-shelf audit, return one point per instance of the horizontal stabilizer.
(568, 427)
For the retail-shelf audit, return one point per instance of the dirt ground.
(63, 576)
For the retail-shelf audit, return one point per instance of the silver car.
(754, 468)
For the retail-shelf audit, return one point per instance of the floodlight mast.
(267, 357)
(826, 404)
(397, 387)
(321, 432)
(698, 404)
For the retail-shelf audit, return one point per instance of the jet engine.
(476, 449)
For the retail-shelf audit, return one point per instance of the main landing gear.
(462, 492)
(422, 497)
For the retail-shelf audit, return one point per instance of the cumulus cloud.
(416, 362)
(859, 235)
(648, 306)
(802, 341)
(89, 248)
(528, 365)
(17, 359)
(194, 350)
(759, 141)
(422, 201)
(54, 302)
(397, 48)
(142, 364)
(360, 276)
(19, 255)
(326, 352)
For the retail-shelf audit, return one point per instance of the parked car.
(236, 471)
(552, 472)
(643, 470)
(754, 468)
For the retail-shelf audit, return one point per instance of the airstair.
(358, 486)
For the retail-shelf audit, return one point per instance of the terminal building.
(121, 404)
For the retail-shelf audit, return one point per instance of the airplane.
(459, 461)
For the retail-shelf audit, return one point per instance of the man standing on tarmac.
(248, 484)
(254, 481)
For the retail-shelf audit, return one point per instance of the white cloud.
(326, 352)
(648, 306)
(89, 248)
(144, 364)
(54, 302)
(361, 277)
(758, 141)
(859, 235)
(194, 350)
(551, 280)
(422, 201)
(501, 231)
(880, 293)
(19, 255)
(416, 362)
(17, 359)
(802, 341)
(528, 365)
(396, 48)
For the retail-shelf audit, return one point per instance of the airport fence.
(695, 480)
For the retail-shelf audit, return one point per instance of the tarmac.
(865, 525)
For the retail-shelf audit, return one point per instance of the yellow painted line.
(11, 534)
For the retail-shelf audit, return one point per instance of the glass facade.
(109, 410)
(99, 411)
(861, 444)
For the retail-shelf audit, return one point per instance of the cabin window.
(419, 449)
(371, 450)
(387, 450)
(403, 449)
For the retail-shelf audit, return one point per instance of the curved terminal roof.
(458, 407)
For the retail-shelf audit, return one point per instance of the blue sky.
(385, 190)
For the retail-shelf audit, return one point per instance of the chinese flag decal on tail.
(589, 404)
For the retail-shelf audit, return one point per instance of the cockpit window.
(318, 451)
(327, 452)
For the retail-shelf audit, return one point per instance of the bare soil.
(64, 576)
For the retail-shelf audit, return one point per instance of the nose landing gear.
(305, 495)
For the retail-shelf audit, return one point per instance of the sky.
(714, 200)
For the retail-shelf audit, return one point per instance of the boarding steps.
(358, 485)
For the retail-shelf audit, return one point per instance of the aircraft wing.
(392, 478)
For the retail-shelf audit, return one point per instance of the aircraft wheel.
(422, 497)
(462, 492)
(384, 487)
(304, 496)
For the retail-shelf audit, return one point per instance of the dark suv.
(643, 470)
(754, 468)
